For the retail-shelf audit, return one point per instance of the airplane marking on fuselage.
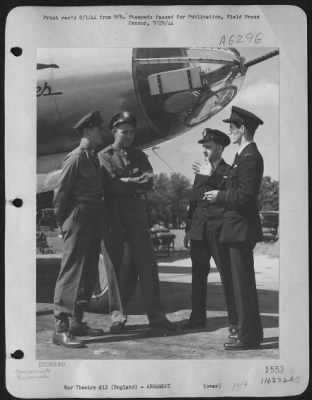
(46, 90)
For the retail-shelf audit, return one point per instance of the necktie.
(124, 158)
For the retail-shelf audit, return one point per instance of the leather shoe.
(117, 327)
(83, 329)
(238, 345)
(190, 324)
(66, 339)
(163, 325)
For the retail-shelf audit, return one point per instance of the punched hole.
(18, 354)
(16, 51)
(17, 202)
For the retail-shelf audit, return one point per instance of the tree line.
(167, 202)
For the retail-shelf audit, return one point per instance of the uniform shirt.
(130, 164)
(80, 180)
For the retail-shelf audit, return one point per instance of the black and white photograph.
(130, 241)
(157, 235)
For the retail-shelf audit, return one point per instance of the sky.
(260, 95)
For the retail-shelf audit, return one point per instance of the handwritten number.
(241, 38)
(258, 38)
(249, 37)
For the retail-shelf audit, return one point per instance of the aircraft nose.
(185, 87)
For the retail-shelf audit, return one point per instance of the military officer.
(127, 175)
(78, 202)
(204, 221)
(241, 227)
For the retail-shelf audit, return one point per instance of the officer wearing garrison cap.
(127, 175)
(241, 227)
(78, 202)
(204, 221)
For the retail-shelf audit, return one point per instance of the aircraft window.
(210, 103)
(180, 88)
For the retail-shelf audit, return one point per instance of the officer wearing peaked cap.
(127, 175)
(92, 119)
(241, 227)
(204, 221)
(124, 117)
(78, 200)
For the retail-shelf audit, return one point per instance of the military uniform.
(241, 229)
(78, 202)
(204, 228)
(128, 220)
(204, 225)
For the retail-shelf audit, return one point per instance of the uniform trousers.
(201, 253)
(129, 224)
(245, 291)
(82, 232)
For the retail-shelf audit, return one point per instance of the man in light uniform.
(78, 203)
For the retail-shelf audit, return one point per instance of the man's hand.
(202, 169)
(211, 196)
(187, 240)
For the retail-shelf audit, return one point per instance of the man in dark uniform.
(204, 221)
(241, 228)
(127, 175)
(78, 202)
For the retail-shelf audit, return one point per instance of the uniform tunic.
(204, 225)
(129, 224)
(241, 229)
(78, 202)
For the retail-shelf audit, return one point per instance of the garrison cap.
(123, 117)
(244, 117)
(216, 136)
(92, 119)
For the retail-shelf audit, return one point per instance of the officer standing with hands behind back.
(78, 203)
(241, 228)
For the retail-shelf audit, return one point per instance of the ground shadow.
(176, 296)
(139, 332)
(142, 331)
